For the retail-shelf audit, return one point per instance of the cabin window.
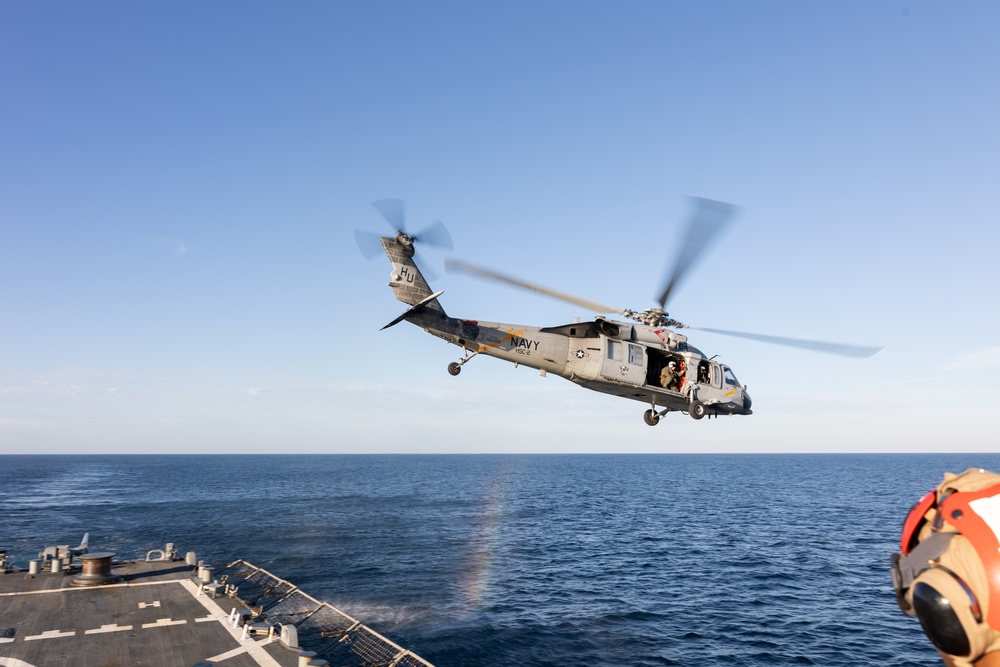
(635, 354)
(614, 350)
(731, 379)
(572, 331)
(716, 377)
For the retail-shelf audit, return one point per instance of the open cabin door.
(624, 361)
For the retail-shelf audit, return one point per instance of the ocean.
(529, 560)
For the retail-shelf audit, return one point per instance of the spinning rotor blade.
(368, 243)
(430, 275)
(708, 219)
(862, 351)
(455, 265)
(436, 235)
(394, 212)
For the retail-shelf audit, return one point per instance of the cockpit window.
(731, 379)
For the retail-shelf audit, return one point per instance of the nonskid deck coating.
(154, 618)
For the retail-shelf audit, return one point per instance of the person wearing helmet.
(947, 571)
(668, 376)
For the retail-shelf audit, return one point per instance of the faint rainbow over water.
(476, 580)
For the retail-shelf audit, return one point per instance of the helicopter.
(643, 359)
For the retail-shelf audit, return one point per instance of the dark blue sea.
(541, 560)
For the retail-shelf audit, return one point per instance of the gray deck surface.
(154, 618)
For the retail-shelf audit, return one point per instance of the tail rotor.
(394, 212)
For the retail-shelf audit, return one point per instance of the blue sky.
(180, 182)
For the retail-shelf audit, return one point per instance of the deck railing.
(321, 627)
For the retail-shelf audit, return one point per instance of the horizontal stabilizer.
(416, 308)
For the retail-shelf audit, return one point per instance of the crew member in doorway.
(947, 571)
(668, 376)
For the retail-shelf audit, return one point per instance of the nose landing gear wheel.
(651, 418)
(454, 368)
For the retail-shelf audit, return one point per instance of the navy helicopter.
(643, 359)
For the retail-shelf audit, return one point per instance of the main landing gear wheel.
(697, 409)
(651, 417)
(454, 368)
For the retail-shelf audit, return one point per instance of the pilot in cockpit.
(703, 373)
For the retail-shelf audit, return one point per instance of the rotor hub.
(404, 240)
(654, 317)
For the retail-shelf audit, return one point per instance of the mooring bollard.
(95, 570)
(289, 636)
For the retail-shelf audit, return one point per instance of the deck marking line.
(164, 622)
(14, 662)
(254, 649)
(143, 605)
(51, 634)
(92, 588)
(205, 619)
(114, 627)
(239, 650)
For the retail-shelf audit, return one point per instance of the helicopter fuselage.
(644, 360)
(654, 365)
(618, 358)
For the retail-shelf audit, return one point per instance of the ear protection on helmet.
(949, 612)
(947, 572)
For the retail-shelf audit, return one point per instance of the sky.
(180, 184)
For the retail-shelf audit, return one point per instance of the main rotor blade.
(436, 235)
(394, 212)
(593, 306)
(708, 219)
(862, 351)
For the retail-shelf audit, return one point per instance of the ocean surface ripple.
(547, 560)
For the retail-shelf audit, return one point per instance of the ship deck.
(154, 617)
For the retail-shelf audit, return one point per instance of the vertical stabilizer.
(406, 281)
